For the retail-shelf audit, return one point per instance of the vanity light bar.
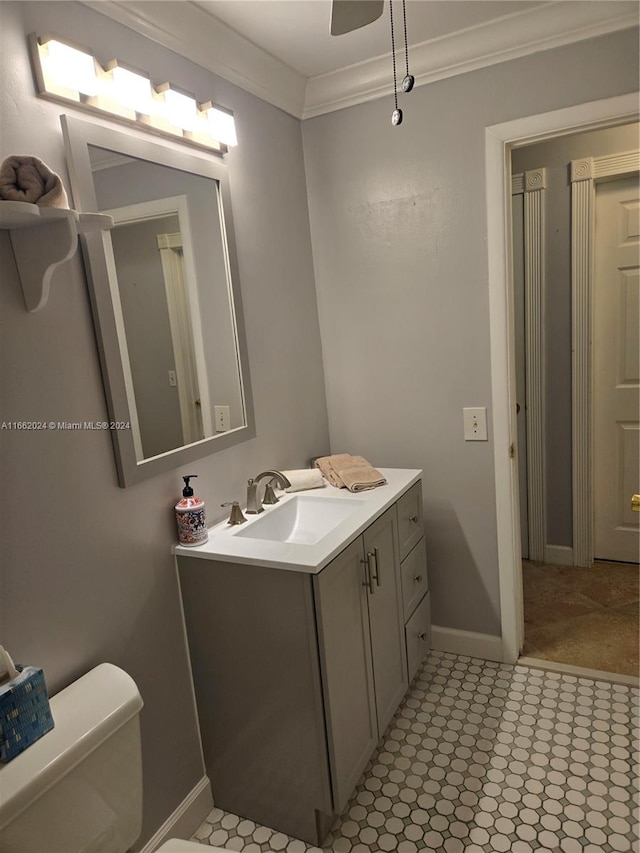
(69, 73)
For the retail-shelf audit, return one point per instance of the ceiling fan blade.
(348, 15)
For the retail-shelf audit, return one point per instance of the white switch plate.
(475, 424)
(173, 381)
(223, 418)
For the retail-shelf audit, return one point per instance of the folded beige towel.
(361, 477)
(29, 179)
(327, 464)
(351, 472)
(304, 478)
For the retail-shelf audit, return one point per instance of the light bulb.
(222, 125)
(70, 68)
(132, 90)
(180, 110)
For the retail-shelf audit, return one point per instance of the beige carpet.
(584, 617)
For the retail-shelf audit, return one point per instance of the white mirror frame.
(78, 136)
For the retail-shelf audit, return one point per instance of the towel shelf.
(42, 238)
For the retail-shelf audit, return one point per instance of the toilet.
(88, 768)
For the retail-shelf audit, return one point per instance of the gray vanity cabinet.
(297, 674)
(362, 648)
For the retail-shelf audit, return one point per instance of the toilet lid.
(175, 845)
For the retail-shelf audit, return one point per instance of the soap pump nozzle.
(187, 492)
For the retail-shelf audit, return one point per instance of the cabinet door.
(386, 617)
(347, 677)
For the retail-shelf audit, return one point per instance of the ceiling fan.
(349, 15)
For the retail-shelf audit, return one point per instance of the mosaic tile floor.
(484, 757)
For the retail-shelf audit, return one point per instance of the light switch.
(475, 424)
(223, 418)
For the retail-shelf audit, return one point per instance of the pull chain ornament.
(396, 115)
(409, 79)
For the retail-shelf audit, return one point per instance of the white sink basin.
(301, 519)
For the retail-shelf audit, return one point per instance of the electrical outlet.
(222, 417)
(475, 424)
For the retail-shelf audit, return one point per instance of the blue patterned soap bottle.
(190, 517)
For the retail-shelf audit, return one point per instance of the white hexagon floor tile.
(483, 757)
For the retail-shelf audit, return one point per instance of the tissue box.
(25, 714)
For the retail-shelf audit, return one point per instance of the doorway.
(581, 616)
(500, 139)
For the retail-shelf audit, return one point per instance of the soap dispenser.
(190, 517)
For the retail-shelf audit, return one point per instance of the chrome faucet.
(254, 502)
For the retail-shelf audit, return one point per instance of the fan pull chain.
(396, 115)
(409, 80)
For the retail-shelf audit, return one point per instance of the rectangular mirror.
(165, 298)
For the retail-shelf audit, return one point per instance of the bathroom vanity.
(305, 626)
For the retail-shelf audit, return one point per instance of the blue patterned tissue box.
(25, 714)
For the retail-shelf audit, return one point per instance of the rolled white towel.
(304, 478)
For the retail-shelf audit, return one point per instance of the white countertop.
(226, 545)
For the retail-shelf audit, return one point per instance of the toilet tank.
(79, 788)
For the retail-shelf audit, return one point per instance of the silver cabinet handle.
(367, 574)
(413, 518)
(376, 558)
(417, 578)
(422, 636)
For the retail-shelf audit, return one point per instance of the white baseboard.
(184, 821)
(485, 646)
(558, 555)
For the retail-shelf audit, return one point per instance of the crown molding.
(510, 37)
(192, 32)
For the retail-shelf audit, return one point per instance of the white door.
(616, 398)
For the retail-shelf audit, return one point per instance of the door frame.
(499, 140)
(532, 185)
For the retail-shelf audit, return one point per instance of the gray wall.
(87, 573)
(398, 223)
(556, 155)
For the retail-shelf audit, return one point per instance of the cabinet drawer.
(419, 636)
(410, 519)
(414, 578)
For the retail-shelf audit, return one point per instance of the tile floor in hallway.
(485, 757)
(583, 617)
